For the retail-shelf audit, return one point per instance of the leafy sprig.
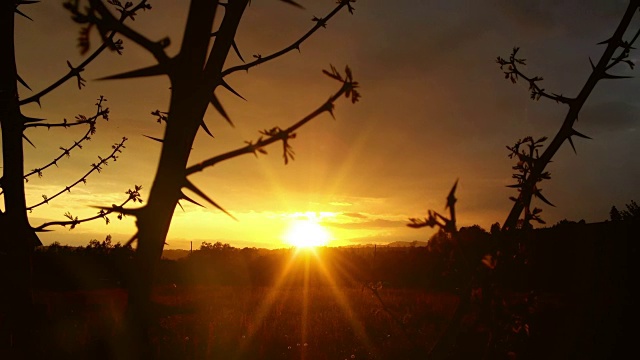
(527, 153)
(512, 72)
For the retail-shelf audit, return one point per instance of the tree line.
(546, 259)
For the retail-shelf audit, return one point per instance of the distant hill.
(407, 244)
(394, 244)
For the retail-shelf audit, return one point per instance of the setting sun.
(306, 233)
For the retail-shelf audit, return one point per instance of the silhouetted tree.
(529, 172)
(614, 214)
(194, 73)
(495, 228)
(218, 246)
(18, 238)
(632, 212)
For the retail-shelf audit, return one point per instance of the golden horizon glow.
(306, 234)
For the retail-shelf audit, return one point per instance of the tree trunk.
(192, 89)
(17, 239)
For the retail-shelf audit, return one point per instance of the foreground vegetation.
(559, 293)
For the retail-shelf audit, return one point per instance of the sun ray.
(271, 296)
(305, 304)
(306, 234)
(345, 306)
(358, 148)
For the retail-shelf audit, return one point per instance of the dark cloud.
(571, 17)
(533, 14)
(609, 116)
(383, 239)
(372, 224)
(355, 215)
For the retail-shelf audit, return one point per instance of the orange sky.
(434, 108)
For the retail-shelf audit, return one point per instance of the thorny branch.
(97, 14)
(513, 73)
(348, 89)
(623, 57)
(83, 43)
(276, 134)
(600, 71)
(435, 219)
(80, 120)
(527, 152)
(319, 23)
(134, 196)
(117, 148)
(100, 15)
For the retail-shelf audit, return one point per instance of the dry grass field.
(226, 322)
(254, 323)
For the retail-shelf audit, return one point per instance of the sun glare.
(306, 234)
